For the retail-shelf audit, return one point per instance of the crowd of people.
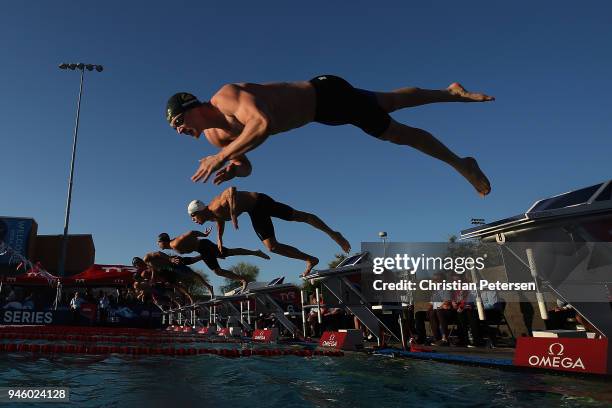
(446, 309)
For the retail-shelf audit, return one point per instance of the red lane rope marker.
(187, 332)
(111, 339)
(229, 353)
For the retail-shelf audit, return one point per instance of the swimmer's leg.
(184, 293)
(313, 220)
(232, 276)
(242, 251)
(425, 142)
(409, 97)
(291, 252)
(206, 284)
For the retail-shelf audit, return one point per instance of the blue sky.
(549, 131)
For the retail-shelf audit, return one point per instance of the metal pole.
(303, 297)
(69, 199)
(249, 310)
(318, 297)
(242, 312)
(534, 273)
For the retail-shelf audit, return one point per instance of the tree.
(336, 261)
(245, 270)
(474, 248)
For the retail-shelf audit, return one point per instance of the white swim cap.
(195, 206)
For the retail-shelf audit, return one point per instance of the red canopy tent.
(102, 275)
(30, 279)
(36, 276)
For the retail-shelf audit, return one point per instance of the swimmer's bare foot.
(462, 95)
(468, 167)
(262, 254)
(244, 285)
(311, 263)
(340, 240)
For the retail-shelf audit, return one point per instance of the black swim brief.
(209, 253)
(265, 207)
(338, 103)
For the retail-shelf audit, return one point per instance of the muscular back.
(157, 260)
(220, 205)
(286, 105)
(186, 243)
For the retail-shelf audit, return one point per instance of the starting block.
(342, 340)
(224, 331)
(560, 334)
(266, 335)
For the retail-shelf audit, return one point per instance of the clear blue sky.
(549, 131)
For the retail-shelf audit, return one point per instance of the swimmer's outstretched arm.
(200, 234)
(188, 260)
(220, 229)
(242, 105)
(232, 206)
(240, 167)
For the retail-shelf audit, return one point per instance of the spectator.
(28, 302)
(103, 305)
(557, 318)
(440, 313)
(88, 297)
(494, 312)
(75, 306)
(312, 320)
(12, 296)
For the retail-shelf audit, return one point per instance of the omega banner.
(564, 354)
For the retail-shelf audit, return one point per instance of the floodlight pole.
(383, 236)
(80, 67)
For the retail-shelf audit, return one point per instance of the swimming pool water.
(288, 381)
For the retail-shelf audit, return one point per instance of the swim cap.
(137, 261)
(163, 237)
(180, 103)
(195, 206)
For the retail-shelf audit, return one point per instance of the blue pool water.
(288, 381)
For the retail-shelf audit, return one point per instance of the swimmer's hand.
(208, 165)
(207, 231)
(225, 174)
(177, 260)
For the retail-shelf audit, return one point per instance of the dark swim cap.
(163, 237)
(180, 103)
(137, 261)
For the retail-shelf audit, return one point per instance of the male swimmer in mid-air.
(240, 117)
(157, 267)
(195, 241)
(231, 203)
